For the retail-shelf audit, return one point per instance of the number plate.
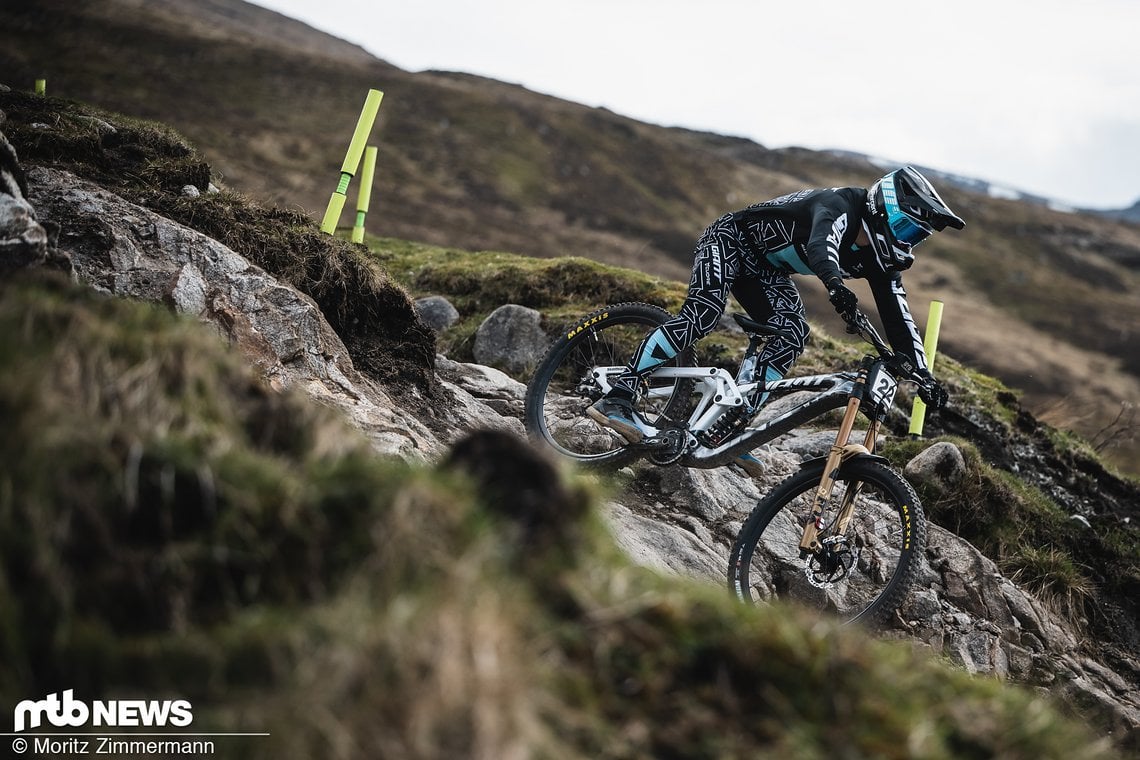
(882, 387)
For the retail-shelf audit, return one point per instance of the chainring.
(668, 447)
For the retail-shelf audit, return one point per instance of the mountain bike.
(845, 533)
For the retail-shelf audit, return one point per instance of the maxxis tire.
(573, 340)
(908, 515)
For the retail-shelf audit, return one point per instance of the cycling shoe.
(752, 466)
(618, 415)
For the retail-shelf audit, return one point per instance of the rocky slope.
(676, 521)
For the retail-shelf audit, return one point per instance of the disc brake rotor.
(831, 564)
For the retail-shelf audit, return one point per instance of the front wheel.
(564, 384)
(862, 574)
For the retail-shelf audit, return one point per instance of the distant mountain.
(994, 190)
(1130, 214)
(1041, 298)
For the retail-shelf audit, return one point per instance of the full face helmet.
(903, 208)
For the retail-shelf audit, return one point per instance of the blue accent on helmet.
(904, 228)
(903, 209)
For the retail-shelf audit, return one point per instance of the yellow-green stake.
(362, 200)
(351, 160)
(41, 87)
(930, 345)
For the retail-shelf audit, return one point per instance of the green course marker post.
(930, 345)
(362, 200)
(351, 160)
(41, 87)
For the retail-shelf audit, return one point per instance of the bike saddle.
(753, 327)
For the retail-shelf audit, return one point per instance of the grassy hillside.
(170, 526)
(1038, 298)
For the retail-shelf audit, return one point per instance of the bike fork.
(840, 450)
(847, 508)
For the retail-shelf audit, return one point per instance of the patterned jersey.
(813, 232)
(752, 254)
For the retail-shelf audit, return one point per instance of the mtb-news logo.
(68, 712)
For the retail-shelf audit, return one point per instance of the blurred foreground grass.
(170, 528)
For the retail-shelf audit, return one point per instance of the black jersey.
(814, 232)
(809, 232)
(752, 254)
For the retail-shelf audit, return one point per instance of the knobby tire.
(559, 392)
(888, 530)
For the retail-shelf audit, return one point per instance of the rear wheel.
(564, 385)
(862, 574)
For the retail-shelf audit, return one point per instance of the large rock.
(965, 609)
(664, 546)
(511, 338)
(941, 465)
(436, 312)
(124, 249)
(492, 387)
(23, 241)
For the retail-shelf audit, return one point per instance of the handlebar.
(900, 367)
(859, 324)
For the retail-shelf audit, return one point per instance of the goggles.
(904, 228)
(907, 230)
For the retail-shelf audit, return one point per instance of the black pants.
(724, 265)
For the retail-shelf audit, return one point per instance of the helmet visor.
(904, 227)
(907, 230)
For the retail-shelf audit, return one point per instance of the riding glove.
(930, 390)
(843, 299)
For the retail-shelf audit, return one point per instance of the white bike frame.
(719, 394)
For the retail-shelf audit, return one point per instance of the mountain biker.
(835, 233)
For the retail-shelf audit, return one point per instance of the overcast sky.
(1041, 96)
